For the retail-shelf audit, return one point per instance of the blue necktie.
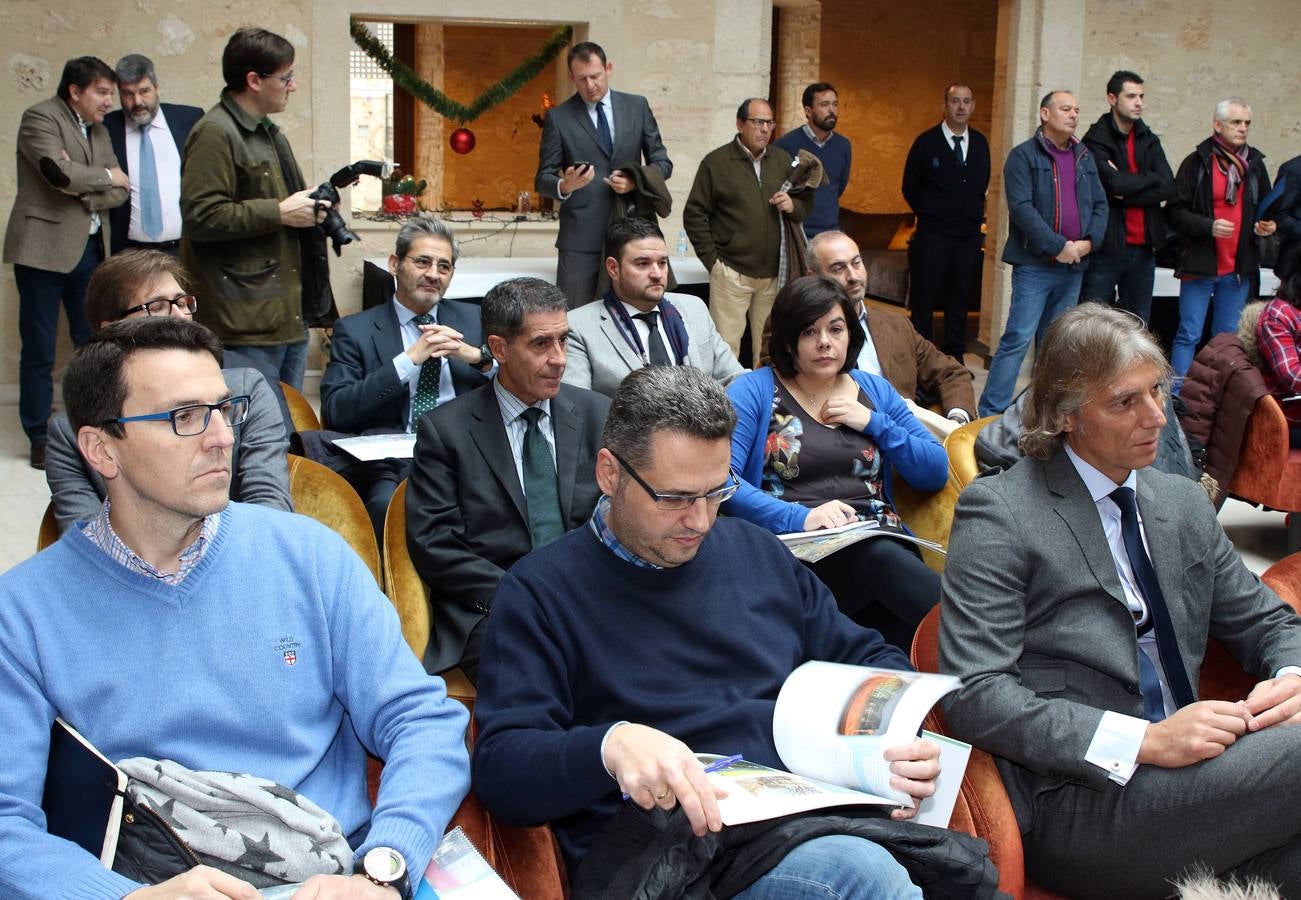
(1158, 615)
(603, 130)
(151, 204)
(431, 371)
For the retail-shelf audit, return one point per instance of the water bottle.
(682, 242)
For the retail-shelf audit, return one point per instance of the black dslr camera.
(333, 226)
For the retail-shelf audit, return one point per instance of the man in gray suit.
(584, 139)
(67, 174)
(636, 323)
(1078, 621)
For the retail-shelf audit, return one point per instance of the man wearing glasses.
(737, 231)
(501, 470)
(223, 636)
(656, 631)
(392, 363)
(136, 284)
(248, 223)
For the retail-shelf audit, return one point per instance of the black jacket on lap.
(1149, 187)
(1192, 211)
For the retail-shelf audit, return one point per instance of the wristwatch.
(386, 867)
(485, 357)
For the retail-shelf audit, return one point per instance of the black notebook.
(83, 793)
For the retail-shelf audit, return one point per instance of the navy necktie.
(957, 149)
(1159, 615)
(541, 495)
(603, 130)
(655, 349)
(431, 371)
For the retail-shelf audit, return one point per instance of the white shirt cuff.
(405, 368)
(1288, 670)
(1115, 745)
(609, 731)
(960, 414)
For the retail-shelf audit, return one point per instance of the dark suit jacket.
(947, 197)
(569, 137)
(909, 361)
(180, 119)
(1035, 623)
(1287, 212)
(48, 228)
(360, 388)
(467, 522)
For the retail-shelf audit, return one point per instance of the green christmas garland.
(444, 105)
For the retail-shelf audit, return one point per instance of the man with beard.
(148, 137)
(818, 136)
(944, 181)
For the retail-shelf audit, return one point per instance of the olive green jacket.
(245, 264)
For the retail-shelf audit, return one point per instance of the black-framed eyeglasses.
(162, 306)
(188, 421)
(762, 123)
(679, 502)
(283, 79)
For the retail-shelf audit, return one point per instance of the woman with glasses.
(139, 283)
(816, 444)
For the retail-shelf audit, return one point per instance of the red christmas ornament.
(462, 140)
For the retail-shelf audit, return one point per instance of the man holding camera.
(248, 233)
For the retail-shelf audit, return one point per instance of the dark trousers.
(1129, 272)
(39, 295)
(883, 584)
(172, 248)
(942, 271)
(576, 276)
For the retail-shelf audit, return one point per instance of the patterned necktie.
(957, 149)
(659, 356)
(540, 493)
(1158, 613)
(603, 130)
(427, 386)
(151, 204)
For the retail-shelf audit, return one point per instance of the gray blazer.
(568, 136)
(1034, 619)
(259, 463)
(598, 358)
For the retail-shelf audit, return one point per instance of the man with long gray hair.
(660, 629)
(1079, 592)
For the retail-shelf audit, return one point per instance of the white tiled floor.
(1260, 537)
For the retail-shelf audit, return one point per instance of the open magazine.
(832, 725)
(811, 546)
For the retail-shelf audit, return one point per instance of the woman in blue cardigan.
(811, 446)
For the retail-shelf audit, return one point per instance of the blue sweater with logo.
(579, 639)
(277, 656)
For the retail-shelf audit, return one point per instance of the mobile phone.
(582, 167)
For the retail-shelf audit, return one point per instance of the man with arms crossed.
(1079, 593)
(636, 323)
(178, 653)
(659, 629)
(584, 140)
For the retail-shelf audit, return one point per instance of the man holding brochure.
(656, 632)
(1079, 593)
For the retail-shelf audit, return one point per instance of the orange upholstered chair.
(983, 807)
(325, 495)
(960, 445)
(1269, 470)
(300, 409)
(49, 532)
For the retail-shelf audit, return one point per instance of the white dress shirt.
(868, 361)
(643, 330)
(167, 163)
(408, 371)
(950, 134)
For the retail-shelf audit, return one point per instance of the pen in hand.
(714, 766)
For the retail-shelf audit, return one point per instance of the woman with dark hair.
(811, 444)
(1278, 338)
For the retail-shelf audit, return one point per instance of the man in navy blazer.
(167, 125)
(386, 368)
(584, 139)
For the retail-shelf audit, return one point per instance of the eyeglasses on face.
(422, 263)
(162, 306)
(283, 79)
(679, 502)
(188, 421)
(762, 123)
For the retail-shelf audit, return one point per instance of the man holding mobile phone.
(583, 141)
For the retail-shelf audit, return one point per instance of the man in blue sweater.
(177, 625)
(818, 136)
(657, 631)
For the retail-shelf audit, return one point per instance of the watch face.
(384, 864)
